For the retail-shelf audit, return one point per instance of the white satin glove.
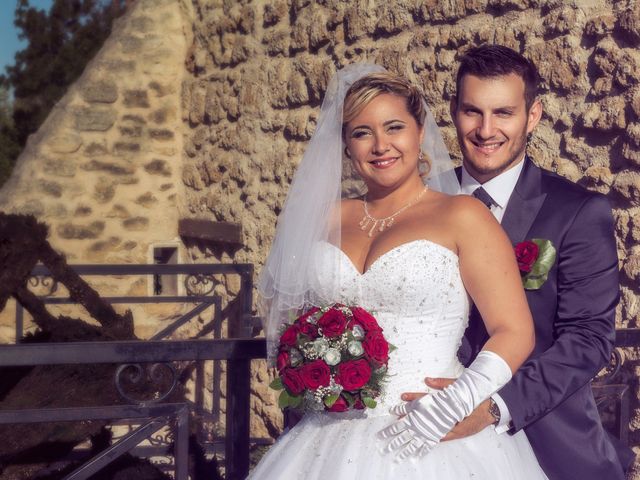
(426, 420)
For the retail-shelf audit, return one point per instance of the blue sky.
(9, 43)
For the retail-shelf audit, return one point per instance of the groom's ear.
(534, 115)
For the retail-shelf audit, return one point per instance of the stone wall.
(104, 170)
(258, 71)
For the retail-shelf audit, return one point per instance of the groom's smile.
(492, 122)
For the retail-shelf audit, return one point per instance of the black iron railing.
(139, 358)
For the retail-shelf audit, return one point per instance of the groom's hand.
(478, 420)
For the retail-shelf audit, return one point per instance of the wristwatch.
(494, 411)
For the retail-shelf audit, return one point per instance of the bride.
(413, 255)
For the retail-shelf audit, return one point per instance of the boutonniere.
(535, 258)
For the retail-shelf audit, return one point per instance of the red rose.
(340, 405)
(309, 330)
(526, 254)
(292, 380)
(290, 336)
(365, 320)
(282, 360)
(307, 314)
(315, 374)
(354, 374)
(376, 347)
(358, 405)
(332, 323)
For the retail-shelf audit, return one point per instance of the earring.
(421, 156)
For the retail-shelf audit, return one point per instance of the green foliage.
(9, 147)
(59, 45)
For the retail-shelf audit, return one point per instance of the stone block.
(82, 211)
(274, 12)
(118, 211)
(161, 134)
(359, 20)
(136, 224)
(393, 17)
(142, 24)
(627, 184)
(58, 167)
(31, 207)
(147, 200)
(162, 115)
(158, 166)
(605, 115)
(629, 24)
(125, 148)
(131, 45)
(134, 119)
(98, 251)
(191, 177)
(117, 66)
(65, 143)
(110, 167)
(277, 42)
(74, 231)
(104, 190)
(51, 188)
(95, 149)
(136, 99)
(162, 89)
(100, 91)
(94, 119)
(132, 131)
(600, 25)
(196, 103)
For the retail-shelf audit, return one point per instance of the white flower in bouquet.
(320, 346)
(332, 356)
(295, 357)
(355, 348)
(358, 332)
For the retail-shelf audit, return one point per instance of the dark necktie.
(482, 195)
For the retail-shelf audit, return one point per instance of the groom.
(494, 110)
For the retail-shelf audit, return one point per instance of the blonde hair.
(364, 90)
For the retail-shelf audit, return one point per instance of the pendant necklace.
(372, 223)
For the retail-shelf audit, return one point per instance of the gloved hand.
(426, 420)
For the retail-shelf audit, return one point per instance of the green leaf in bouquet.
(392, 347)
(276, 384)
(329, 400)
(369, 402)
(349, 398)
(286, 400)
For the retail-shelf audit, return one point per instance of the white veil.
(314, 200)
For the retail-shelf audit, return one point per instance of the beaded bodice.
(416, 293)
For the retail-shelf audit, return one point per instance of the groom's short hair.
(487, 61)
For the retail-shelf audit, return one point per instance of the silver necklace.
(373, 223)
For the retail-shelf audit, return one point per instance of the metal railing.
(149, 356)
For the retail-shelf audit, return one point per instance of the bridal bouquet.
(332, 358)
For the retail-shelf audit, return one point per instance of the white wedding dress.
(416, 293)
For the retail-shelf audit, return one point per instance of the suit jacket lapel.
(524, 204)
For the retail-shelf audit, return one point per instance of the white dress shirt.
(500, 189)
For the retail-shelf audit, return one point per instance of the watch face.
(494, 410)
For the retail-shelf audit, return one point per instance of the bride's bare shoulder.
(464, 210)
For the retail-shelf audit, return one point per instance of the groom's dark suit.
(550, 396)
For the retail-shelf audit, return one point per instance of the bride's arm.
(491, 276)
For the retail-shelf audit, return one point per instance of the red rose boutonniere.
(535, 258)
